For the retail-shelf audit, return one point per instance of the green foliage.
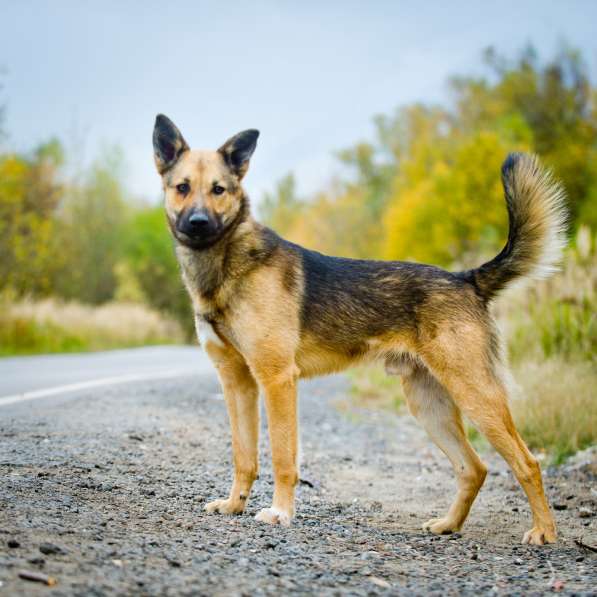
(29, 193)
(88, 240)
(21, 335)
(557, 318)
(283, 207)
(149, 256)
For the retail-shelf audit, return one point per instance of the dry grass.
(49, 325)
(557, 411)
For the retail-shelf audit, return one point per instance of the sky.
(309, 75)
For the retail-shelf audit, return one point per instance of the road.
(35, 377)
(103, 488)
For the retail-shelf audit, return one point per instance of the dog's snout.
(198, 220)
(197, 224)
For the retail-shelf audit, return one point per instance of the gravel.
(109, 486)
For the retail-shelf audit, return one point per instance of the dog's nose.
(198, 220)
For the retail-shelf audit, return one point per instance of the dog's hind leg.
(482, 396)
(429, 402)
(242, 401)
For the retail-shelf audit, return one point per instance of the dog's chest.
(206, 332)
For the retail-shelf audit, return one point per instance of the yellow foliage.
(456, 208)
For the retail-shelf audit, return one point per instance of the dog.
(269, 312)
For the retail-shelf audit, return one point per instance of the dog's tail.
(537, 234)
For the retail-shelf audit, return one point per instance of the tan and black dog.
(268, 312)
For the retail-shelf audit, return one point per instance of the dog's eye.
(183, 188)
(218, 190)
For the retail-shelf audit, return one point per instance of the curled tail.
(537, 234)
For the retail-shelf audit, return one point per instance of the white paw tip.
(274, 516)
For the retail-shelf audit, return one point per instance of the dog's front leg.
(281, 406)
(242, 400)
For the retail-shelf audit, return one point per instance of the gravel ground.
(105, 492)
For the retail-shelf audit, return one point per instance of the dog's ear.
(237, 151)
(168, 143)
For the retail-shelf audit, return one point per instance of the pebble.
(52, 549)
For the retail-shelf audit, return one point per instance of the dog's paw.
(225, 507)
(440, 526)
(274, 516)
(540, 536)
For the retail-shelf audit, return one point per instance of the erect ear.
(237, 151)
(168, 143)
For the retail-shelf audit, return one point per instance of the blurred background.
(383, 128)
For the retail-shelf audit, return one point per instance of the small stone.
(584, 513)
(560, 506)
(50, 549)
(369, 555)
(13, 543)
(380, 582)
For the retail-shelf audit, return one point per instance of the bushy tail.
(537, 234)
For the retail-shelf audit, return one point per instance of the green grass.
(373, 387)
(48, 327)
(20, 335)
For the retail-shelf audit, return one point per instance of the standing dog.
(268, 312)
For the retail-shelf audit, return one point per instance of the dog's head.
(203, 193)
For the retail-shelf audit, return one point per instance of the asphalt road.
(103, 488)
(41, 377)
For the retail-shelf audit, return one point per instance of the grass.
(374, 388)
(551, 332)
(33, 327)
(557, 412)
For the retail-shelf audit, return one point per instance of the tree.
(89, 238)
(30, 191)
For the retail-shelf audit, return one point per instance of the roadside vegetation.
(48, 325)
(83, 266)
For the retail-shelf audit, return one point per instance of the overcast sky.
(310, 75)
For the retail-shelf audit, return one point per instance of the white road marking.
(94, 383)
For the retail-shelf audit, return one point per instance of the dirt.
(104, 493)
